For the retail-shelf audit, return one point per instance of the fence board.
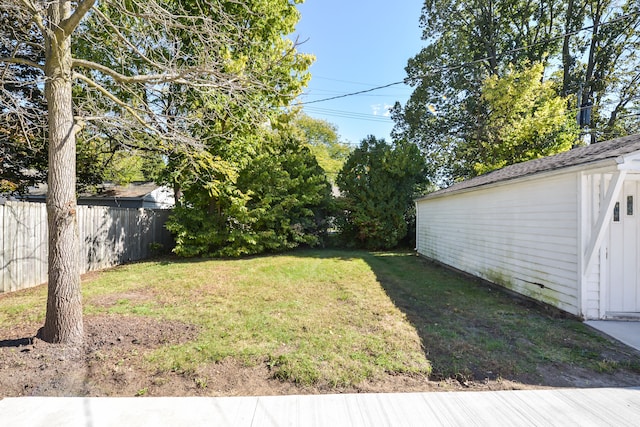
(108, 237)
(2, 252)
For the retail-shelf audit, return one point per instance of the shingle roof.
(577, 156)
(134, 190)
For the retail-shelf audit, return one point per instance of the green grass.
(334, 318)
(471, 330)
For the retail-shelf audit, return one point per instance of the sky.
(358, 45)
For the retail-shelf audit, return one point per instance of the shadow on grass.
(474, 332)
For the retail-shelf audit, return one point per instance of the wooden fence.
(108, 237)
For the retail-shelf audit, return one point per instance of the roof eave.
(629, 162)
(603, 163)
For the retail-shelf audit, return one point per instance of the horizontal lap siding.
(521, 236)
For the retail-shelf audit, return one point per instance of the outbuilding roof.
(578, 156)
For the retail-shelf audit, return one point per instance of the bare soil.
(112, 363)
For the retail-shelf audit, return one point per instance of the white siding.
(521, 235)
(594, 189)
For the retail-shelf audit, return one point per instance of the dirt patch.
(112, 363)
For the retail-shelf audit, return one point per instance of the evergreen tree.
(279, 200)
(378, 183)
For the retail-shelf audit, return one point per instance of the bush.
(279, 201)
(378, 183)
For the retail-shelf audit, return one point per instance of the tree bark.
(567, 59)
(591, 62)
(63, 323)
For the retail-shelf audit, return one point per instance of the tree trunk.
(587, 96)
(63, 323)
(567, 59)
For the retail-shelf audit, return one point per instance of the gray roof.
(134, 190)
(577, 156)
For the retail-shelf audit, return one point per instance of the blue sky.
(358, 45)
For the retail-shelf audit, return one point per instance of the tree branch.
(123, 38)
(121, 78)
(69, 25)
(113, 98)
(170, 77)
(22, 61)
(35, 15)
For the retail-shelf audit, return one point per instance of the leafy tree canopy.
(591, 45)
(323, 139)
(526, 119)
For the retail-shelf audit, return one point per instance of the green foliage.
(101, 160)
(526, 120)
(127, 166)
(605, 65)
(469, 42)
(245, 190)
(246, 69)
(22, 163)
(378, 182)
(322, 137)
(445, 114)
(279, 201)
(289, 199)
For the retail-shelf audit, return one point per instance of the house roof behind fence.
(134, 190)
(577, 156)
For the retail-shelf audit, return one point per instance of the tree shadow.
(120, 235)
(18, 342)
(23, 246)
(471, 331)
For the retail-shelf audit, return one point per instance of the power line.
(327, 92)
(476, 61)
(350, 115)
(521, 48)
(352, 93)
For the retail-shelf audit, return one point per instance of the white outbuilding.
(564, 229)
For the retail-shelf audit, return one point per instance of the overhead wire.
(350, 115)
(445, 68)
(360, 92)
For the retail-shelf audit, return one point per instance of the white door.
(624, 272)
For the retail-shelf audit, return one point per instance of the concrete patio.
(627, 332)
(558, 407)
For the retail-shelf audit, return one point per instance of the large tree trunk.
(63, 322)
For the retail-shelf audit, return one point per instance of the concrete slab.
(557, 407)
(627, 332)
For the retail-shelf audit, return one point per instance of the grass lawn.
(336, 318)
